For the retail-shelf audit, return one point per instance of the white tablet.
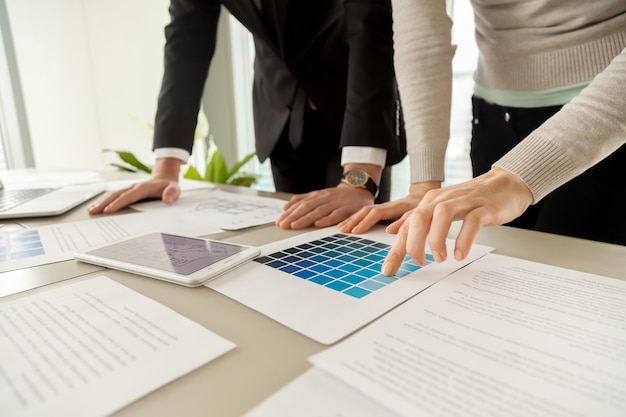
(188, 261)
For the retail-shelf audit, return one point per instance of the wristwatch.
(358, 178)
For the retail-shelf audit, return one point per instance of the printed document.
(502, 336)
(91, 347)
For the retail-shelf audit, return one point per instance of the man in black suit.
(326, 109)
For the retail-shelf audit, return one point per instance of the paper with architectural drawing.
(228, 211)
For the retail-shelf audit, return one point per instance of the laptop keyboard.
(347, 264)
(13, 198)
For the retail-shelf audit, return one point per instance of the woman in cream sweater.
(549, 124)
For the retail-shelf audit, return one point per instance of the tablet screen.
(183, 255)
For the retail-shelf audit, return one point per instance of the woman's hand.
(368, 216)
(491, 199)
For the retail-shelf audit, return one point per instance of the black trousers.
(590, 206)
(316, 163)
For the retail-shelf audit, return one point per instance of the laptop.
(18, 201)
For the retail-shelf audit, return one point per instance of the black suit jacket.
(338, 54)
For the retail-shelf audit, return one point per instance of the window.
(243, 67)
(15, 151)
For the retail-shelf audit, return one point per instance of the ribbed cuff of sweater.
(427, 166)
(542, 165)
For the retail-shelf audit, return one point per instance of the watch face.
(356, 177)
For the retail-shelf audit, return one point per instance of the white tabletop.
(269, 355)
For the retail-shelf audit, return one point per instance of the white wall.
(86, 67)
(126, 54)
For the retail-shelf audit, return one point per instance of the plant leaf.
(131, 159)
(193, 174)
(216, 170)
(243, 181)
(241, 163)
(124, 167)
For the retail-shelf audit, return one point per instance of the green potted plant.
(215, 169)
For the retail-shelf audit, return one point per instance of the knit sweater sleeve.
(581, 134)
(423, 62)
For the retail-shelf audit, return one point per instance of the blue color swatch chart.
(344, 263)
(20, 245)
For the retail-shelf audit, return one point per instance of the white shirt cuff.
(363, 155)
(177, 153)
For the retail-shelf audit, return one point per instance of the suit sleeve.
(190, 40)
(373, 115)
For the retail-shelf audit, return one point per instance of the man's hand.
(329, 206)
(491, 199)
(368, 216)
(163, 183)
(323, 207)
